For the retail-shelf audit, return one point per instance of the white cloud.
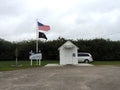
(72, 19)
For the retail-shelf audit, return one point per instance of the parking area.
(67, 77)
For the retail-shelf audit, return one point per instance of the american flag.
(43, 27)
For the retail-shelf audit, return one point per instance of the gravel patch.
(67, 77)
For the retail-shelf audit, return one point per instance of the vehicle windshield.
(81, 54)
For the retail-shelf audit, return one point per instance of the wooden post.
(16, 55)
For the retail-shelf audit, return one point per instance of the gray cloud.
(86, 19)
(11, 7)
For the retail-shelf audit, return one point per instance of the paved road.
(62, 78)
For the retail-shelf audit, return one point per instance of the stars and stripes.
(43, 27)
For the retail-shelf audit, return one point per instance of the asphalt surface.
(62, 78)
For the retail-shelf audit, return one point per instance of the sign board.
(37, 57)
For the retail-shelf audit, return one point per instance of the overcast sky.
(70, 19)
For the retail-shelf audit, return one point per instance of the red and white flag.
(43, 27)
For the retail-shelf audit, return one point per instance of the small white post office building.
(68, 53)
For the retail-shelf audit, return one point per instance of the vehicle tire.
(86, 61)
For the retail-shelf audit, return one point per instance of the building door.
(68, 56)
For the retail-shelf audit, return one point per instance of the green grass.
(106, 63)
(8, 65)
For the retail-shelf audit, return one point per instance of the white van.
(85, 57)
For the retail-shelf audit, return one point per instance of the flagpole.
(45, 28)
(37, 37)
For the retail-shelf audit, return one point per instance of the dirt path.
(62, 78)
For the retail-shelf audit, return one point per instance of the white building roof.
(68, 44)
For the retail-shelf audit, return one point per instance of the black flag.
(42, 35)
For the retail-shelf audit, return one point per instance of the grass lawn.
(106, 63)
(9, 65)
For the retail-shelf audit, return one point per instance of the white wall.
(66, 56)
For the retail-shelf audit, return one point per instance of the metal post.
(31, 62)
(37, 38)
(36, 44)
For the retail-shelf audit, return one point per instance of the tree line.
(101, 49)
